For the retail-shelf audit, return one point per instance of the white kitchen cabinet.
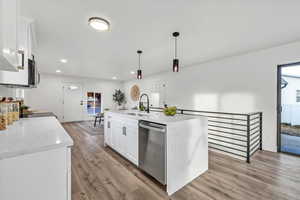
(117, 136)
(26, 38)
(121, 134)
(35, 162)
(107, 130)
(132, 141)
(44, 175)
(10, 15)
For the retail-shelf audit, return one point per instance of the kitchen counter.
(156, 117)
(172, 149)
(32, 135)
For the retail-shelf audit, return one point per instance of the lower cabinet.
(132, 142)
(121, 134)
(43, 175)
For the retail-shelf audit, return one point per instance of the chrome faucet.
(148, 107)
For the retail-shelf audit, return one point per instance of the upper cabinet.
(17, 42)
(10, 17)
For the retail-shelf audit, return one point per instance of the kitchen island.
(35, 160)
(174, 150)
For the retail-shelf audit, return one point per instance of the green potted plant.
(119, 98)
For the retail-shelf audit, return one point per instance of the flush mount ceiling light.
(99, 24)
(132, 72)
(139, 71)
(63, 60)
(58, 71)
(114, 78)
(175, 60)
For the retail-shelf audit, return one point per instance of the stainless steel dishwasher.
(152, 150)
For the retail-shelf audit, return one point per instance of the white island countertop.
(157, 117)
(31, 135)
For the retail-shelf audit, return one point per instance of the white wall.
(11, 92)
(6, 92)
(243, 83)
(49, 94)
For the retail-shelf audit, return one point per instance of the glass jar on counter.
(3, 116)
(9, 113)
(15, 108)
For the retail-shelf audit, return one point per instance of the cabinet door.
(37, 176)
(116, 127)
(107, 130)
(132, 140)
(123, 141)
(124, 137)
(10, 20)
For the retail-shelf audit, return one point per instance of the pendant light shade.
(175, 60)
(139, 74)
(175, 65)
(139, 71)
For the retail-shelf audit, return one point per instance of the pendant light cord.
(175, 47)
(139, 61)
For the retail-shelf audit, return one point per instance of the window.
(297, 96)
(93, 103)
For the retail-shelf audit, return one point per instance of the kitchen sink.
(143, 115)
(138, 114)
(134, 114)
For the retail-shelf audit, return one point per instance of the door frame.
(279, 108)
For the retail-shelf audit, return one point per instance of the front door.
(73, 107)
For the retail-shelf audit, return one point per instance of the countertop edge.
(153, 119)
(37, 150)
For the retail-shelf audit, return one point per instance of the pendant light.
(139, 71)
(175, 60)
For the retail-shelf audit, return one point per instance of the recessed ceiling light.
(132, 72)
(63, 60)
(99, 24)
(6, 51)
(58, 71)
(114, 77)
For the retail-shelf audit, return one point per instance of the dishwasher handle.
(162, 130)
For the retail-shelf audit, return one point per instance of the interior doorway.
(73, 106)
(288, 108)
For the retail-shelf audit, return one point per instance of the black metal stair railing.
(235, 134)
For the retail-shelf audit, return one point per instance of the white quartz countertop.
(157, 117)
(31, 135)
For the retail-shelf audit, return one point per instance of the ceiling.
(209, 29)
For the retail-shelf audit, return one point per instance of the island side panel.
(187, 152)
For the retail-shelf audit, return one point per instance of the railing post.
(260, 130)
(248, 138)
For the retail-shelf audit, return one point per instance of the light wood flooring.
(98, 173)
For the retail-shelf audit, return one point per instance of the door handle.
(124, 130)
(108, 124)
(153, 128)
